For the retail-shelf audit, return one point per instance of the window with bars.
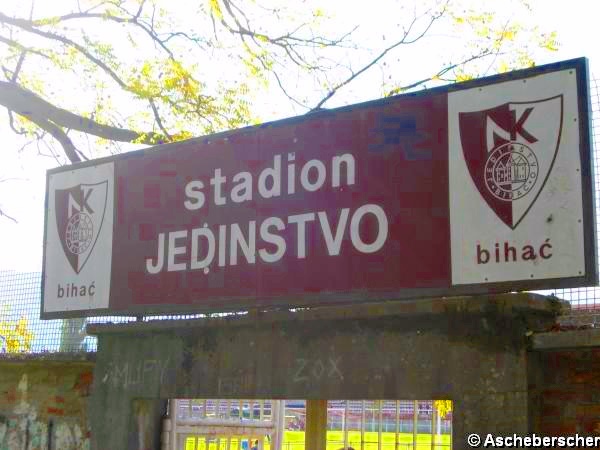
(360, 425)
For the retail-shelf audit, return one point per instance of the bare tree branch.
(30, 105)
(58, 134)
(15, 74)
(11, 123)
(19, 65)
(51, 118)
(402, 41)
(158, 119)
(282, 40)
(26, 25)
(133, 20)
(441, 72)
(139, 12)
(50, 149)
(167, 95)
(287, 42)
(3, 214)
(21, 47)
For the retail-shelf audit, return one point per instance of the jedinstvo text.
(230, 244)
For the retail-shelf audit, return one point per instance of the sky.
(23, 173)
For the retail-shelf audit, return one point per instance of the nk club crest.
(79, 217)
(510, 150)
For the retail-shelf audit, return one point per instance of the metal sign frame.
(244, 302)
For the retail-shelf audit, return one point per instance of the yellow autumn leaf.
(443, 407)
(551, 43)
(215, 8)
(16, 336)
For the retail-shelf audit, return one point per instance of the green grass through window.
(294, 440)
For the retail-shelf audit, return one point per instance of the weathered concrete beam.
(565, 340)
(48, 358)
(511, 303)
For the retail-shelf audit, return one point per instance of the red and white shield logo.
(79, 217)
(510, 150)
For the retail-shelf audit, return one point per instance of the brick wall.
(564, 389)
(44, 403)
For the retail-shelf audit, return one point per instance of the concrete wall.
(44, 402)
(473, 351)
(470, 350)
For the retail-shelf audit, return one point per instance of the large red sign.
(443, 192)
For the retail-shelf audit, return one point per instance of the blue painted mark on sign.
(400, 132)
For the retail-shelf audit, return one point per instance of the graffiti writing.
(129, 374)
(20, 432)
(317, 369)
